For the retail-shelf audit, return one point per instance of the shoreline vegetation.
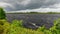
(16, 27)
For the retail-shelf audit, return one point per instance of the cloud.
(15, 5)
(6, 5)
(2, 4)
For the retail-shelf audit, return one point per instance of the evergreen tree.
(2, 14)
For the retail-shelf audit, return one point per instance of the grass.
(16, 28)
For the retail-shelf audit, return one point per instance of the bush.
(4, 26)
(16, 27)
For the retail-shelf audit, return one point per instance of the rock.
(31, 25)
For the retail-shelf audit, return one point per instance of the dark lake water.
(38, 19)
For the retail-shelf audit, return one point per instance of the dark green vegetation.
(2, 14)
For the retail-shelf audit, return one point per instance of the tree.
(2, 14)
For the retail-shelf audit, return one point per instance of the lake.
(38, 19)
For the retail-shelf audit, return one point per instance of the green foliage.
(55, 29)
(2, 14)
(4, 26)
(41, 28)
(16, 28)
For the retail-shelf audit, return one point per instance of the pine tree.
(2, 14)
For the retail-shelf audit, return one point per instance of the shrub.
(4, 26)
(55, 29)
(17, 28)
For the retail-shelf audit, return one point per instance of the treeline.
(35, 13)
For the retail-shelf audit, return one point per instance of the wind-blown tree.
(2, 14)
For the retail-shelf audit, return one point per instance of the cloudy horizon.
(31, 5)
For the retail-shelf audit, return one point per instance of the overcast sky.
(30, 5)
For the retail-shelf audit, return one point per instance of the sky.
(31, 5)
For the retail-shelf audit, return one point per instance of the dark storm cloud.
(29, 4)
